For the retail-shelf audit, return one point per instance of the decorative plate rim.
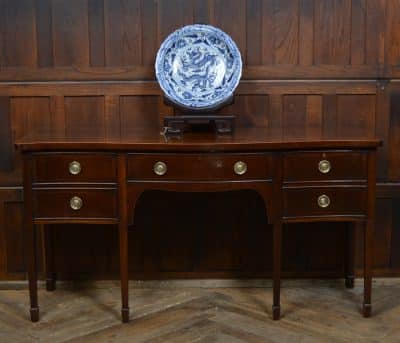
(229, 88)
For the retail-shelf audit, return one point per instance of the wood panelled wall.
(326, 66)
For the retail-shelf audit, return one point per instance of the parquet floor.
(313, 311)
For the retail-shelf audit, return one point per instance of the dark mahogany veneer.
(304, 179)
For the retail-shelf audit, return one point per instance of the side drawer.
(320, 166)
(75, 203)
(324, 201)
(74, 167)
(199, 166)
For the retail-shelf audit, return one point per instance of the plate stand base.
(178, 124)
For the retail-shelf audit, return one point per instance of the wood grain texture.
(30, 114)
(10, 233)
(70, 33)
(394, 152)
(123, 32)
(306, 32)
(18, 25)
(286, 32)
(100, 39)
(332, 32)
(96, 33)
(375, 23)
(44, 33)
(84, 116)
(358, 31)
(6, 149)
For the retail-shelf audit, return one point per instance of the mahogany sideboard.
(93, 181)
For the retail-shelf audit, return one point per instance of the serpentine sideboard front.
(99, 181)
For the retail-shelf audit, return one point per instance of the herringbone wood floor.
(313, 311)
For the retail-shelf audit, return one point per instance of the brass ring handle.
(74, 168)
(324, 166)
(323, 201)
(160, 168)
(240, 168)
(76, 203)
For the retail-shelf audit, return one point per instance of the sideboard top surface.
(251, 139)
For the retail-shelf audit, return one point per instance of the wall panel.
(322, 68)
(70, 33)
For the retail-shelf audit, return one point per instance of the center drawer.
(199, 166)
(75, 203)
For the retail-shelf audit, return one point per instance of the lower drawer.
(75, 203)
(324, 201)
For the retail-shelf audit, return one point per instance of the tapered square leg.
(34, 312)
(32, 271)
(368, 257)
(123, 237)
(125, 315)
(277, 242)
(367, 310)
(50, 282)
(30, 240)
(276, 312)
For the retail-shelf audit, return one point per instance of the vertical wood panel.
(44, 33)
(393, 32)
(267, 30)
(123, 36)
(201, 12)
(138, 112)
(57, 109)
(275, 122)
(332, 32)
(382, 127)
(19, 33)
(375, 21)
(394, 151)
(286, 31)
(70, 33)
(329, 116)
(314, 116)
(358, 31)
(253, 33)
(10, 229)
(250, 110)
(383, 233)
(294, 115)
(84, 116)
(6, 148)
(14, 236)
(306, 32)
(30, 115)
(171, 20)
(224, 12)
(112, 116)
(395, 241)
(356, 115)
(96, 32)
(149, 32)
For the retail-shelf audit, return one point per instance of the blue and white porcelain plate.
(198, 67)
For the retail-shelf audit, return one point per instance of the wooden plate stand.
(195, 120)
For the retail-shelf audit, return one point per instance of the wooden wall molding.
(273, 87)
